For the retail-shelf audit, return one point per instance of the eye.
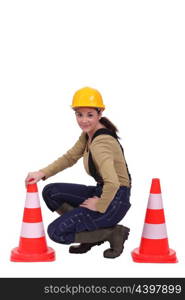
(90, 115)
(78, 114)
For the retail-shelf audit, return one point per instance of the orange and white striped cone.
(32, 244)
(154, 246)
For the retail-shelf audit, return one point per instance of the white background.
(133, 52)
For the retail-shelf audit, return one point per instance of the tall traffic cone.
(154, 246)
(32, 244)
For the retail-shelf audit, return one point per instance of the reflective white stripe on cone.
(154, 231)
(32, 230)
(155, 201)
(32, 200)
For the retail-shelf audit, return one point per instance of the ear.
(100, 113)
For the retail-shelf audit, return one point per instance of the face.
(87, 118)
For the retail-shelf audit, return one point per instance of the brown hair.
(108, 124)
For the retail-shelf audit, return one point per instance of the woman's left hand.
(90, 203)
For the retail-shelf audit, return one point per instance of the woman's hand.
(90, 203)
(34, 177)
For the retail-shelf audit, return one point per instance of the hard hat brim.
(73, 107)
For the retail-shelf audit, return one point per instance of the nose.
(84, 120)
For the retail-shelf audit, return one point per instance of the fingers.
(34, 177)
(30, 179)
(83, 204)
(87, 201)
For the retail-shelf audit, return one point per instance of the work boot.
(83, 247)
(116, 236)
(65, 207)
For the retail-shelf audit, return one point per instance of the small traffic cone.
(32, 244)
(154, 246)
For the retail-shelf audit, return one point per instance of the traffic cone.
(154, 246)
(32, 244)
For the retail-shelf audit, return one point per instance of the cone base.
(47, 256)
(147, 258)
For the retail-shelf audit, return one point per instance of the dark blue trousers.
(63, 229)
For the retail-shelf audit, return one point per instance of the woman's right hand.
(34, 177)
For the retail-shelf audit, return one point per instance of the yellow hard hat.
(88, 97)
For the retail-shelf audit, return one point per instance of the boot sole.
(78, 250)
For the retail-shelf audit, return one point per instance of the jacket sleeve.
(66, 160)
(102, 153)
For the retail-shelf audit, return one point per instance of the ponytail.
(109, 125)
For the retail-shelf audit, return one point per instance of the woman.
(90, 214)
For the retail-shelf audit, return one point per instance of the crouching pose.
(89, 215)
